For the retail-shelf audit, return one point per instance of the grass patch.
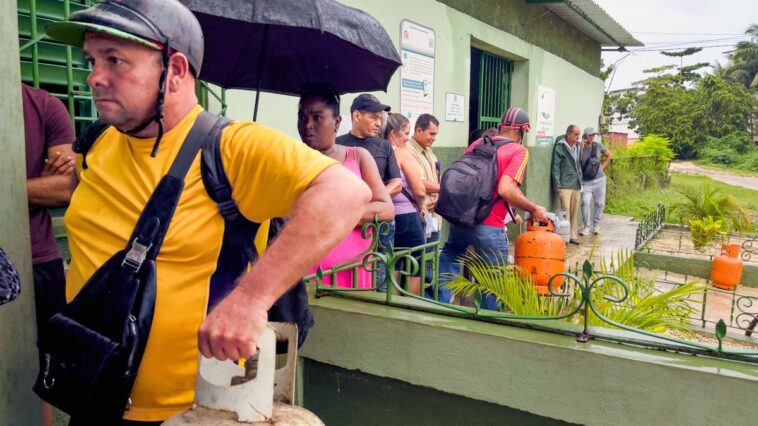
(740, 172)
(637, 204)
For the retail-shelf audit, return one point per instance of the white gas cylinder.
(259, 394)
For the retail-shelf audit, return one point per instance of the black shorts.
(49, 290)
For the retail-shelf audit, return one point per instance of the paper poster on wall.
(545, 116)
(455, 105)
(417, 44)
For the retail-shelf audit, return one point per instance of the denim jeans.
(381, 268)
(489, 242)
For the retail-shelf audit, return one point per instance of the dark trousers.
(49, 291)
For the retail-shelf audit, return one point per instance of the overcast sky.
(662, 23)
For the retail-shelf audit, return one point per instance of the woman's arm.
(381, 203)
(412, 174)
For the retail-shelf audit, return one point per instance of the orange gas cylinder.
(541, 253)
(726, 269)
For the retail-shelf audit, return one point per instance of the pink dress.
(348, 251)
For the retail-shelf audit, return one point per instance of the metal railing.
(650, 224)
(743, 308)
(578, 295)
(676, 240)
(749, 248)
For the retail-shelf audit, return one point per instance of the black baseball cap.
(368, 102)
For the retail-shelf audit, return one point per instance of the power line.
(688, 34)
(667, 49)
(681, 43)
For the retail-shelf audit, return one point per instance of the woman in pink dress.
(317, 122)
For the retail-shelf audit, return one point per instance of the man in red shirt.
(489, 238)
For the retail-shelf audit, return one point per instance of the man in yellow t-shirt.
(270, 173)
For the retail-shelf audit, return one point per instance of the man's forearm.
(431, 187)
(323, 215)
(516, 198)
(49, 191)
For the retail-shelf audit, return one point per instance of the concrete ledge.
(689, 266)
(543, 373)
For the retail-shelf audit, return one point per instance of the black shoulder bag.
(93, 348)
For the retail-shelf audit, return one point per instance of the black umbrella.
(279, 45)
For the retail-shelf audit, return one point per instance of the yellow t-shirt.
(267, 170)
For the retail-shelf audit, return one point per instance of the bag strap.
(410, 198)
(85, 141)
(497, 145)
(593, 153)
(152, 225)
(237, 248)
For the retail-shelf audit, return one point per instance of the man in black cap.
(366, 113)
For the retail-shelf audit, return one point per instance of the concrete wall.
(548, 375)
(579, 92)
(18, 355)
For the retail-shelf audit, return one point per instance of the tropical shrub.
(708, 201)
(654, 145)
(725, 156)
(739, 142)
(645, 306)
(704, 231)
(513, 287)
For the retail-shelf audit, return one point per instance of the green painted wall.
(18, 354)
(545, 374)
(349, 397)
(501, 31)
(536, 25)
(689, 266)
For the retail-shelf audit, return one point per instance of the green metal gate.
(59, 69)
(494, 89)
(62, 70)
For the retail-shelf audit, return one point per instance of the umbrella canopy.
(278, 45)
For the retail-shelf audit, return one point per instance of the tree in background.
(743, 62)
(664, 106)
(721, 108)
(687, 106)
(743, 68)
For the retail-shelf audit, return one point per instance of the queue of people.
(326, 186)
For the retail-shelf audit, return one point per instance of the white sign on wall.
(544, 130)
(455, 106)
(417, 45)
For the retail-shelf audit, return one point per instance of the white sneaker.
(596, 229)
(585, 231)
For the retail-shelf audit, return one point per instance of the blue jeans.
(381, 268)
(429, 266)
(487, 241)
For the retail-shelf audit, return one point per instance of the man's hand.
(232, 328)
(320, 219)
(539, 214)
(59, 164)
(557, 190)
(517, 220)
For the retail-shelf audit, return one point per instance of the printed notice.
(545, 116)
(455, 106)
(417, 44)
